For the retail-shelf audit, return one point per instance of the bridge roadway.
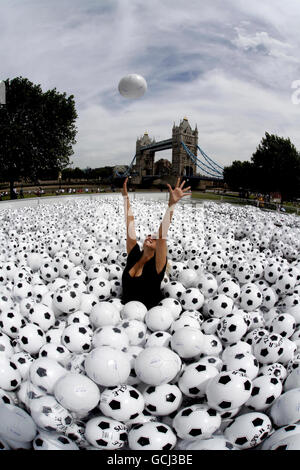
(187, 177)
(157, 146)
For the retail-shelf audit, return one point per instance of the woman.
(145, 269)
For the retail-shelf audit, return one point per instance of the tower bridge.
(185, 161)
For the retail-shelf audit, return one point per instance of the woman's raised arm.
(161, 243)
(129, 219)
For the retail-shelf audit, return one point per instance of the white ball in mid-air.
(132, 86)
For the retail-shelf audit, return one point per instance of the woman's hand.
(124, 189)
(178, 192)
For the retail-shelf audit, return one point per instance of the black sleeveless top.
(144, 288)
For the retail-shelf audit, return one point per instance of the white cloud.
(261, 41)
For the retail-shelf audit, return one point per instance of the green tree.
(240, 175)
(72, 173)
(37, 131)
(277, 166)
(103, 172)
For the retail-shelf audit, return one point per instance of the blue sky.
(227, 65)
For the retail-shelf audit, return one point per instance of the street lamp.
(59, 179)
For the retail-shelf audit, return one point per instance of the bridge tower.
(182, 165)
(181, 162)
(144, 165)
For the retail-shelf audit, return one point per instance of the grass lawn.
(289, 208)
(217, 197)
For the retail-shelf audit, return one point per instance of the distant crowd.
(40, 192)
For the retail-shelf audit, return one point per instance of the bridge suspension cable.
(201, 165)
(209, 166)
(208, 159)
(126, 172)
(198, 163)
